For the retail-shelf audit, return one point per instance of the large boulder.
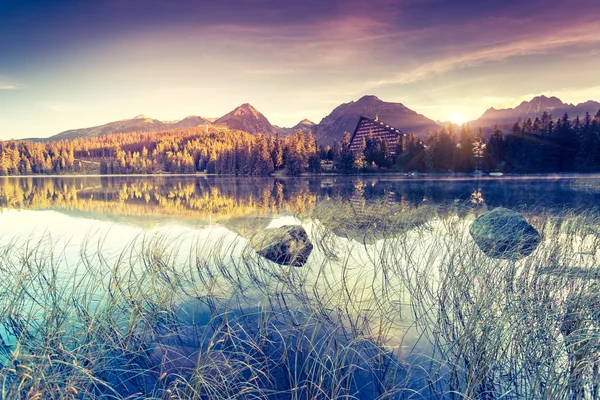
(286, 245)
(504, 233)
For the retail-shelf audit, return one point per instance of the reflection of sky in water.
(70, 233)
(69, 236)
(354, 265)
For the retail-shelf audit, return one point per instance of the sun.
(458, 118)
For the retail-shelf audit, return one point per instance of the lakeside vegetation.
(419, 312)
(540, 146)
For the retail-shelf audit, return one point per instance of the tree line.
(24, 158)
(541, 145)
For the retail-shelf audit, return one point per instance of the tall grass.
(406, 308)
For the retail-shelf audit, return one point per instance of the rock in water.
(504, 233)
(286, 245)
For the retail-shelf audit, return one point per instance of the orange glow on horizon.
(458, 118)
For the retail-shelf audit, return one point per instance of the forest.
(542, 145)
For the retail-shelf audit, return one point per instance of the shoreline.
(403, 176)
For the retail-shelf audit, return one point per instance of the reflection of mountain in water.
(247, 204)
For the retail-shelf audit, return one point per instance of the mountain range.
(533, 109)
(244, 117)
(345, 117)
(303, 125)
(342, 118)
(140, 123)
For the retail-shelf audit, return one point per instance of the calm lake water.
(136, 203)
(370, 236)
(71, 210)
(74, 210)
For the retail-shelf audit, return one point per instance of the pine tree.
(464, 161)
(3, 164)
(264, 163)
(495, 151)
(479, 145)
(587, 154)
(440, 150)
(277, 152)
(412, 157)
(314, 163)
(567, 144)
(344, 162)
(297, 153)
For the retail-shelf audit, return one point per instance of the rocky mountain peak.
(369, 98)
(533, 108)
(246, 118)
(346, 116)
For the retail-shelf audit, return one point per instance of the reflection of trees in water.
(477, 197)
(198, 198)
(211, 197)
(512, 193)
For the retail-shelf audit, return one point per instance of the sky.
(72, 64)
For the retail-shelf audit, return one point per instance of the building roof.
(375, 121)
(381, 129)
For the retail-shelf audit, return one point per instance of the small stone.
(503, 233)
(286, 245)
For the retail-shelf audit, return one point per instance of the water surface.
(183, 244)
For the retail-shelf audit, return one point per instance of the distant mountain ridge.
(345, 117)
(342, 118)
(534, 108)
(303, 125)
(140, 123)
(245, 118)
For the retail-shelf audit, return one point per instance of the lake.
(139, 287)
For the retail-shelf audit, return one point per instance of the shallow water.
(197, 230)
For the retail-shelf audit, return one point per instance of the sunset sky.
(71, 64)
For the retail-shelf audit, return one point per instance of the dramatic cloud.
(581, 35)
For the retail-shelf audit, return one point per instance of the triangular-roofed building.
(378, 129)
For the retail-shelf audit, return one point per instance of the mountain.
(343, 118)
(189, 122)
(246, 118)
(346, 116)
(303, 125)
(139, 123)
(534, 108)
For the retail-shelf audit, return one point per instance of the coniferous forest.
(542, 145)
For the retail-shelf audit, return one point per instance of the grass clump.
(416, 311)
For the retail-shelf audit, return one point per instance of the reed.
(412, 310)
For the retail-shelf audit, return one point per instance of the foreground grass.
(414, 310)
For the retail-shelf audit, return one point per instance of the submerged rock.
(368, 223)
(504, 233)
(286, 245)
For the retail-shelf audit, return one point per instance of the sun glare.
(458, 118)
